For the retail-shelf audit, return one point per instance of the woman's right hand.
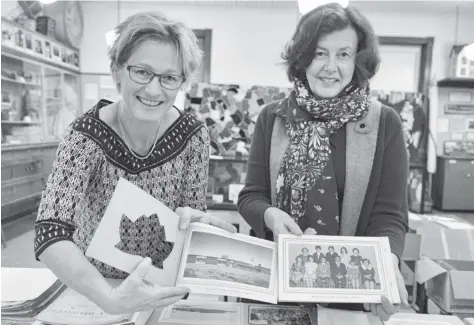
(134, 294)
(280, 222)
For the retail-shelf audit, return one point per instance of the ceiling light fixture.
(46, 2)
(305, 6)
(469, 51)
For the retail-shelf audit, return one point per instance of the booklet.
(230, 313)
(209, 260)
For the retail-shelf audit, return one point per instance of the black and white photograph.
(271, 153)
(335, 269)
(278, 315)
(214, 257)
(29, 41)
(202, 312)
(47, 50)
(56, 53)
(333, 266)
(470, 125)
(38, 46)
(63, 55)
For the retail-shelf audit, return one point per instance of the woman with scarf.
(327, 159)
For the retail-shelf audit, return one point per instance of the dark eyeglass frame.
(159, 76)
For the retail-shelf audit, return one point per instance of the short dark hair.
(331, 247)
(355, 249)
(318, 247)
(326, 19)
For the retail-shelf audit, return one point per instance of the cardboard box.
(447, 267)
(448, 283)
(469, 321)
(407, 273)
(441, 243)
(432, 308)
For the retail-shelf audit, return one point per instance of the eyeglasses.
(144, 76)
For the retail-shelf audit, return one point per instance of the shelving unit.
(28, 84)
(40, 98)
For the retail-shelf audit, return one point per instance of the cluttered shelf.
(456, 83)
(19, 82)
(40, 85)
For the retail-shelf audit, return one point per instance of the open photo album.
(209, 260)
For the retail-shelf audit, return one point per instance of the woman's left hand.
(189, 215)
(386, 309)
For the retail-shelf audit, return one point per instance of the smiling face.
(149, 102)
(333, 64)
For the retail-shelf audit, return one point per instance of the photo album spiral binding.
(209, 260)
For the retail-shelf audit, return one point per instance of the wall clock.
(69, 21)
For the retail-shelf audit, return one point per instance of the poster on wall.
(410, 107)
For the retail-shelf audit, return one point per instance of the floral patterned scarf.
(305, 166)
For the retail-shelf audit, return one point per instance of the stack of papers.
(73, 308)
(23, 312)
(36, 296)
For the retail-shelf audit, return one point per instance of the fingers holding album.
(222, 224)
(189, 215)
(280, 222)
(136, 277)
(383, 310)
(134, 294)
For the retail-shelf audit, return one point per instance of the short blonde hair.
(154, 25)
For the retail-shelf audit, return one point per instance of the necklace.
(125, 136)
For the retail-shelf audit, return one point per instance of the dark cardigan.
(385, 209)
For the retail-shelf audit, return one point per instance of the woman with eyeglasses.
(142, 138)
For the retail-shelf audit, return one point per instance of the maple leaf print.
(145, 237)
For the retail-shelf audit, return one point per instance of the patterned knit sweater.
(91, 159)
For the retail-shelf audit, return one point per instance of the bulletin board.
(455, 123)
(96, 87)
